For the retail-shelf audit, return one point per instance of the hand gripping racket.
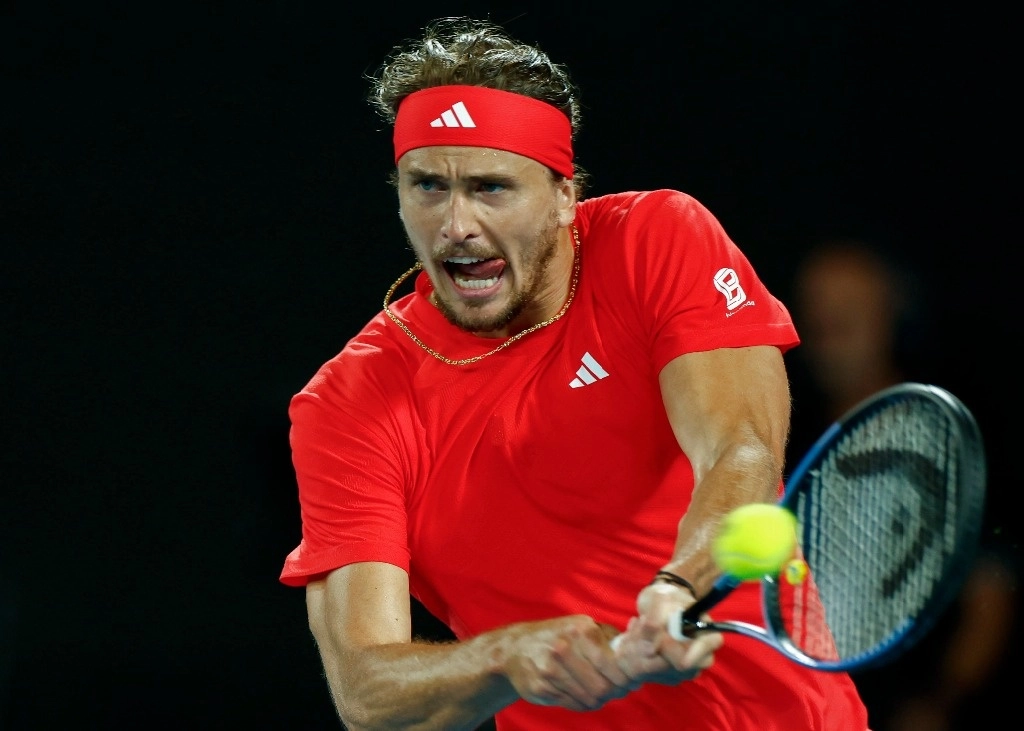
(889, 505)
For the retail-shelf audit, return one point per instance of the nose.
(460, 219)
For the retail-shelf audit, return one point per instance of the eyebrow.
(419, 172)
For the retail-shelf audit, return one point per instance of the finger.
(701, 650)
(638, 658)
(603, 677)
(549, 687)
(586, 670)
(696, 652)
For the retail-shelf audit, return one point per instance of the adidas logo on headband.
(456, 116)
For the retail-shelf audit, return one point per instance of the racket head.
(889, 505)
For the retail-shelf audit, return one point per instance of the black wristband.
(670, 578)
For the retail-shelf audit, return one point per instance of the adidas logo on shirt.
(457, 116)
(590, 372)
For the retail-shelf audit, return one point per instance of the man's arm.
(730, 410)
(380, 678)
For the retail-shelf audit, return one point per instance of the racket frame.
(685, 624)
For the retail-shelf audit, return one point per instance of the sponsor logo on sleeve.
(728, 283)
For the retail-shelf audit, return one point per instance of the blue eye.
(492, 187)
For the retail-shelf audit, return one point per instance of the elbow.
(355, 714)
(360, 705)
(356, 718)
(359, 717)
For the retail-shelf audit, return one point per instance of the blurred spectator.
(857, 313)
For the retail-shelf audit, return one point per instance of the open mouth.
(470, 272)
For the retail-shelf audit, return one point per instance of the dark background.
(195, 216)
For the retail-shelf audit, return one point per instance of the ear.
(565, 192)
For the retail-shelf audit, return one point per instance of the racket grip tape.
(682, 624)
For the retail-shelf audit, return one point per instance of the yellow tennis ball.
(755, 540)
(796, 571)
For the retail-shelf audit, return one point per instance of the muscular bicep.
(359, 605)
(728, 399)
(356, 607)
(379, 678)
(352, 610)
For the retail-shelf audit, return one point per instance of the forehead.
(451, 161)
(851, 273)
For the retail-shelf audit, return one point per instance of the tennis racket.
(889, 505)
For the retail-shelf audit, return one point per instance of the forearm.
(379, 678)
(749, 475)
(418, 685)
(729, 410)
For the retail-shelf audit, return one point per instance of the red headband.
(477, 116)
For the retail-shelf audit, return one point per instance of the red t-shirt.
(545, 479)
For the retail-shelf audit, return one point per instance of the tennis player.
(538, 441)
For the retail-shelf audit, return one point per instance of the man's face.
(847, 318)
(490, 228)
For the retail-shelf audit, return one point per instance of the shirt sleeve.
(350, 472)
(698, 289)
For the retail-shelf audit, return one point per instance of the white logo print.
(457, 116)
(589, 372)
(728, 283)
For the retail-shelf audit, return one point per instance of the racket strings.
(879, 525)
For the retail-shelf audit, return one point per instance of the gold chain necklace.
(506, 343)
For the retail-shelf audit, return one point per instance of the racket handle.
(683, 624)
